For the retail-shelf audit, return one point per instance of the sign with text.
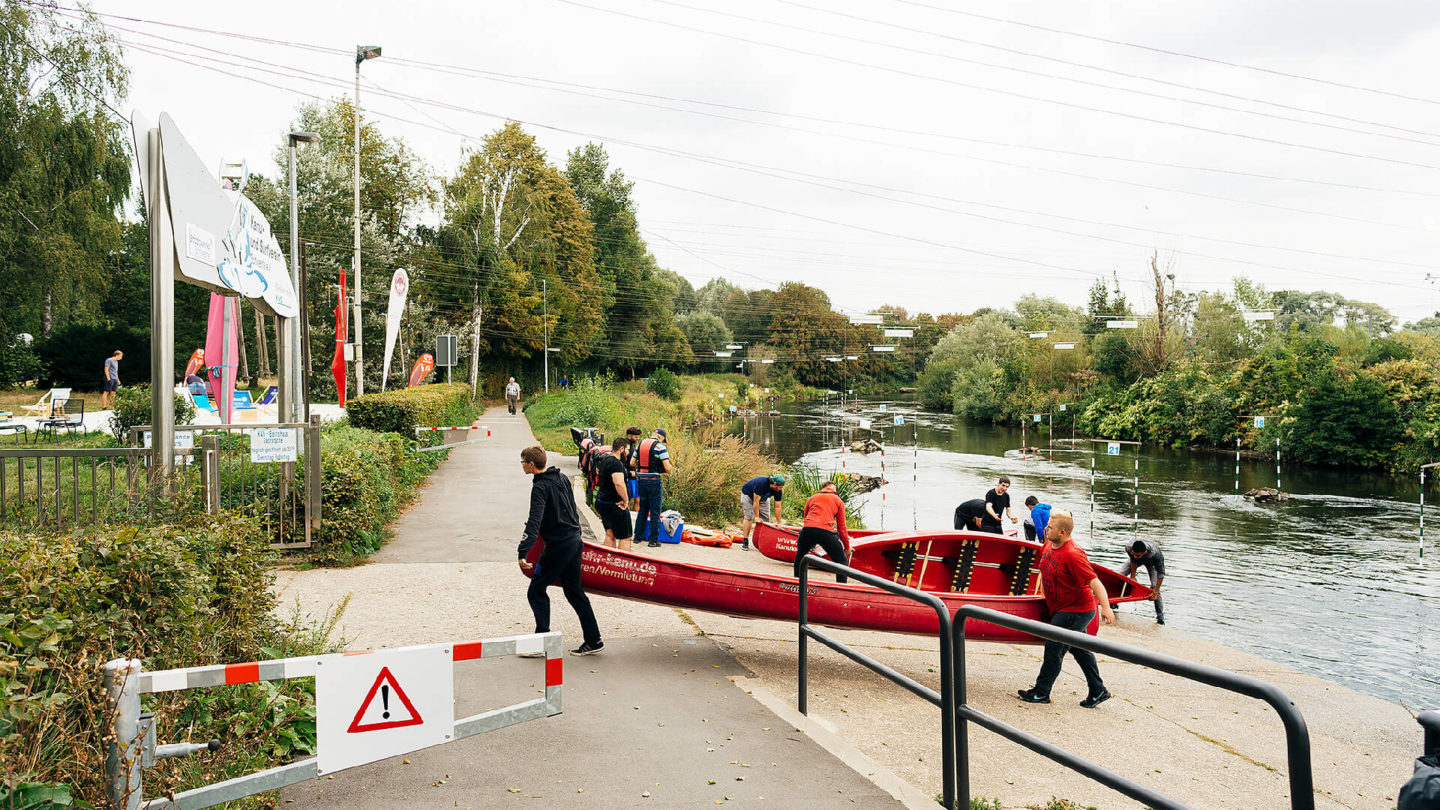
(375, 705)
(1259, 422)
(1112, 449)
(273, 445)
(183, 440)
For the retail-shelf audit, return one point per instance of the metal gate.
(283, 496)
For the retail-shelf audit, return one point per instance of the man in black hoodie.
(553, 516)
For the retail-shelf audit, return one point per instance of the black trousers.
(811, 537)
(561, 564)
(1055, 655)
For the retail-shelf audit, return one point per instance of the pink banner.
(218, 345)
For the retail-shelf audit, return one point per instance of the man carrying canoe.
(824, 527)
(755, 498)
(1071, 592)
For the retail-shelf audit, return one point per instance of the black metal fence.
(55, 488)
(944, 699)
(958, 713)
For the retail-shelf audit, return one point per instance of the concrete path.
(659, 712)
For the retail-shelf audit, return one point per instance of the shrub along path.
(654, 716)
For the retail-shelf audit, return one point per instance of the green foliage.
(1343, 418)
(404, 409)
(132, 407)
(191, 594)
(367, 477)
(74, 356)
(709, 469)
(19, 363)
(588, 403)
(663, 383)
(804, 480)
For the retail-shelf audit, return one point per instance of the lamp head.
(304, 137)
(363, 52)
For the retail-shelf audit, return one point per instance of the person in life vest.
(652, 459)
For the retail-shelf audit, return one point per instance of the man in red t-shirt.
(1072, 592)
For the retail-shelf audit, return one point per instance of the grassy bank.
(710, 466)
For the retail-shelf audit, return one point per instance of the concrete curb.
(824, 735)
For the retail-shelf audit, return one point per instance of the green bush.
(18, 362)
(663, 383)
(403, 410)
(366, 478)
(191, 594)
(132, 407)
(74, 356)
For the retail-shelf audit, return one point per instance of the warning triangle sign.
(385, 706)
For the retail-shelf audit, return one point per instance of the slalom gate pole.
(1092, 496)
(1277, 464)
(1422, 513)
(915, 479)
(1050, 435)
(882, 483)
(1237, 465)
(1136, 530)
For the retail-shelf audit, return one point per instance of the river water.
(1329, 582)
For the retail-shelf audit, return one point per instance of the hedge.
(191, 594)
(367, 477)
(403, 410)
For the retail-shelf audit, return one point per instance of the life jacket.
(593, 473)
(648, 462)
(585, 446)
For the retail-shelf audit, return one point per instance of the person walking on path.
(755, 498)
(553, 516)
(612, 496)
(512, 394)
(1071, 592)
(652, 461)
(112, 380)
(1037, 516)
(969, 514)
(824, 526)
(1145, 554)
(996, 501)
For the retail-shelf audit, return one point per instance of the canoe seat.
(1020, 575)
(965, 568)
(905, 561)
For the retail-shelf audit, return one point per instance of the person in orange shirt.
(824, 526)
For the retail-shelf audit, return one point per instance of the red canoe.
(924, 558)
(778, 542)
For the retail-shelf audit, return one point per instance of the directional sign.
(375, 705)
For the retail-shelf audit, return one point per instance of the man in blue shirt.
(755, 500)
(1036, 519)
(652, 459)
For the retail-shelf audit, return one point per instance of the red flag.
(422, 368)
(337, 366)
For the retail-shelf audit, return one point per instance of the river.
(1329, 582)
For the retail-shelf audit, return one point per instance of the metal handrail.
(1297, 736)
(946, 697)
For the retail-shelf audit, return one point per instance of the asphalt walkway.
(664, 716)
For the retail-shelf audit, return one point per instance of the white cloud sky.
(952, 185)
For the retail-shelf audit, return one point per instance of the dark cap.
(661, 433)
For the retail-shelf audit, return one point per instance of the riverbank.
(1203, 746)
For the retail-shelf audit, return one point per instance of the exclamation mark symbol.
(385, 700)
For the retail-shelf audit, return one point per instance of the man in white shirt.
(512, 393)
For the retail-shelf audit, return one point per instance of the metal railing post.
(123, 751)
(962, 725)
(313, 474)
(803, 624)
(210, 469)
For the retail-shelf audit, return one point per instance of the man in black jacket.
(553, 516)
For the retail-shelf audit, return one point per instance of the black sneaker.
(1095, 700)
(1159, 621)
(1031, 696)
(588, 649)
(653, 544)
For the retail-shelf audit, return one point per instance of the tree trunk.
(475, 344)
(240, 338)
(262, 347)
(47, 319)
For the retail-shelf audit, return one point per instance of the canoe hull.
(767, 596)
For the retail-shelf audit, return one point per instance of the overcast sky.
(910, 153)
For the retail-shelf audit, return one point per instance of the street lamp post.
(362, 53)
(292, 373)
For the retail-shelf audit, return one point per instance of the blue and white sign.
(882, 407)
(1259, 422)
(1112, 449)
(899, 420)
(1037, 417)
(273, 445)
(1063, 407)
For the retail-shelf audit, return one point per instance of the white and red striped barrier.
(133, 746)
(468, 427)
